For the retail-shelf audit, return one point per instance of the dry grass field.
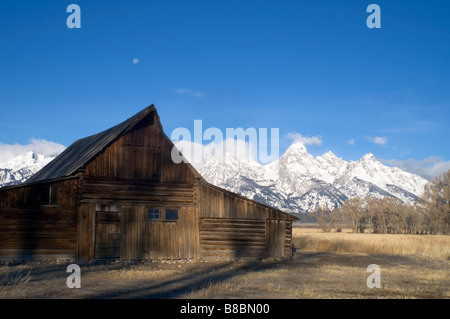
(427, 246)
(326, 265)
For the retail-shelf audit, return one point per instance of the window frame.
(53, 195)
(171, 219)
(50, 196)
(163, 215)
(153, 212)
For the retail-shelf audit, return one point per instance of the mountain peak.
(368, 157)
(32, 155)
(297, 147)
(297, 154)
(22, 167)
(329, 155)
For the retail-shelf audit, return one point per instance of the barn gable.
(141, 139)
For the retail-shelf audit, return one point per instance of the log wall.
(232, 226)
(230, 237)
(31, 228)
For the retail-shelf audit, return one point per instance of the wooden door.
(107, 234)
(275, 238)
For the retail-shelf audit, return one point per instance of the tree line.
(430, 214)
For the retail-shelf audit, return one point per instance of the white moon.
(135, 60)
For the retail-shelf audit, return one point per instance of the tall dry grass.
(14, 285)
(427, 246)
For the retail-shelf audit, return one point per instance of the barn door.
(275, 237)
(107, 234)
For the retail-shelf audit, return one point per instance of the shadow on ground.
(189, 279)
(193, 277)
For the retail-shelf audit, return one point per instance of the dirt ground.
(315, 275)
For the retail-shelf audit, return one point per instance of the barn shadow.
(201, 275)
(190, 282)
(180, 280)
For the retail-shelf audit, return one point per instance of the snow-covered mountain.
(299, 182)
(19, 169)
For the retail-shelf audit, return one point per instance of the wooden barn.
(118, 194)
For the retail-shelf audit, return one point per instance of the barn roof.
(82, 151)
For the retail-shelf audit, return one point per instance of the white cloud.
(190, 92)
(428, 168)
(197, 154)
(41, 146)
(299, 138)
(351, 141)
(379, 140)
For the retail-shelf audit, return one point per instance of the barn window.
(49, 196)
(156, 214)
(53, 195)
(171, 214)
(153, 214)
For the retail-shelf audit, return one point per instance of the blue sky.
(306, 67)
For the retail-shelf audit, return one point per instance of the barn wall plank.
(143, 153)
(30, 226)
(230, 237)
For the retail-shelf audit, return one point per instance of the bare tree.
(390, 215)
(324, 217)
(336, 215)
(437, 204)
(396, 215)
(378, 215)
(415, 220)
(354, 213)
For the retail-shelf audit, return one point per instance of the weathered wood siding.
(219, 203)
(279, 238)
(232, 237)
(144, 153)
(125, 232)
(108, 233)
(288, 251)
(131, 192)
(140, 238)
(29, 226)
(172, 239)
(233, 226)
(133, 174)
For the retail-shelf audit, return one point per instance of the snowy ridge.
(298, 182)
(21, 168)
